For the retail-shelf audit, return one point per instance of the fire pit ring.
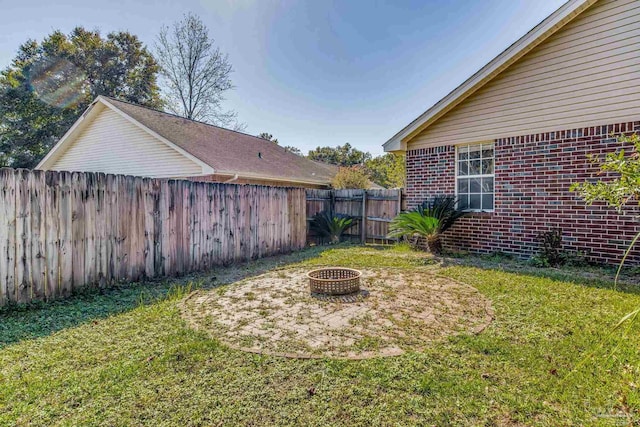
(334, 281)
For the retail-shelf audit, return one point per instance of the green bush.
(414, 224)
(328, 225)
(350, 178)
(429, 220)
(552, 254)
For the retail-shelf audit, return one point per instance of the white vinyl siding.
(112, 144)
(584, 75)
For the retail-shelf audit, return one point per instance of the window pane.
(487, 152)
(487, 201)
(463, 153)
(474, 201)
(487, 166)
(463, 185)
(474, 185)
(474, 152)
(463, 168)
(463, 201)
(474, 167)
(487, 185)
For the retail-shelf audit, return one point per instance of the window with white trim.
(474, 177)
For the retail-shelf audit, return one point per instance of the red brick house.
(511, 139)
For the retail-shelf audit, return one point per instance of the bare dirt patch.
(396, 311)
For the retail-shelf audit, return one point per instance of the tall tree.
(195, 73)
(342, 155)
(49, 84)
(350, 178)
(387, 170)
(294, 150)
(268, 137)
(289, 148)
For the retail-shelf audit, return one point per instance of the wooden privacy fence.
(62, 231)
(374, 209)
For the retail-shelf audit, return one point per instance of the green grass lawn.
(125, 357)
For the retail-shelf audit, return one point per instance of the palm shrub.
(415, 225)
(329, 225)
(444, 207)
(429, 220)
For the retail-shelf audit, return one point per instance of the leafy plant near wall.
(414, 224)
(429, 220)
(622, 190)
(329, 225)
(619, 192)
(551, 253)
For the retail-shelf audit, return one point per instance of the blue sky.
(316, 72)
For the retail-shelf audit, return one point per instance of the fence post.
(332, 201)
(363, 224)
(399, 208)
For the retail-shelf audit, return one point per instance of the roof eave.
(206, 168)
(272, 178)
(62, 142)
(59, 146)
(533, 38)
(394, 145)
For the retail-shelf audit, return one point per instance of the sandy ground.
(396, 311)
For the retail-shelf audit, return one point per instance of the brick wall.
(533, 174)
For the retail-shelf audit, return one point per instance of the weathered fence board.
(61, 232)
(78, 189)
(65, 236)
(7, 235)
(373, 209)
(38, 234)
(52, 269)
(23, 242)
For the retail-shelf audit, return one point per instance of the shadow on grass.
(588, 275)
(38, 320)
(35, 320)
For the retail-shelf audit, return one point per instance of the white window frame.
(492, 175)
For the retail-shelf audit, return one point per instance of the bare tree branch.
(195, 74)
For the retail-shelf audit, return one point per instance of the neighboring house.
(121, 138)
(512, 138)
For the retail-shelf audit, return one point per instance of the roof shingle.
(227, 151)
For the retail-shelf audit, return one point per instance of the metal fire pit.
(334, 281)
